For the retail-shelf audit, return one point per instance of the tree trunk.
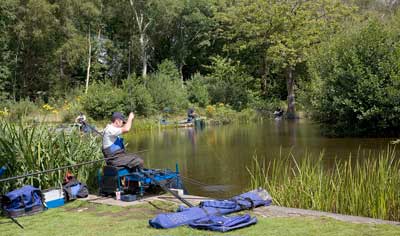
(143, 40)
(129, 59)
(144, 54)
(14, 82)
(264, 77)
(181, 72)
(291, 111)
(89, 62)
(62, 75)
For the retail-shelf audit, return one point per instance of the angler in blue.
(113, 144)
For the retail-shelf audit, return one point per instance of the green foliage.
(169, 69)
(197, 90)
(21, 109)
(137, 97)
(166, 91)
(365, 186)
(26, 149)
(356, 84)
(229, 84)
(103, 99)
(271, 38)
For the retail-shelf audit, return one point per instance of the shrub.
(102, 99)
(166, 92)
(229, 84)
(23, 108)
(356, 82)
(197, 90)
(169, 69)
(137, 97)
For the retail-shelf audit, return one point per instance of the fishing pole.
(61, 168)
(198, 183)
(92, 128)
(165, 188)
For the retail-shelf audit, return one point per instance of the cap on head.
(117, 115)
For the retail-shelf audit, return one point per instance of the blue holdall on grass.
(185, 216)
(223, 223)
(23, 201)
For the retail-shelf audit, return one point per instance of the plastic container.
(117, 195)
(54, 198)
(128, 198)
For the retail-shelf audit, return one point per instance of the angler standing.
(113, 144)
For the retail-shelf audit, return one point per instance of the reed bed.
(27, 148)
(362, 185)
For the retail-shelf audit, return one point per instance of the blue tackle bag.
(23, 201)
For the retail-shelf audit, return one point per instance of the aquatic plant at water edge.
(361, 185)
(26, 148)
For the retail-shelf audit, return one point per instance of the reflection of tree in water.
(292, 125)
(192, 137)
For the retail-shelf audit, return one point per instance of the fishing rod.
(91, 127)
(165, 188)
(61, 168)
(198, 183)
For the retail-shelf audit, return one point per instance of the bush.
(23, 108)
(356, 82)
(229, 84)
(221, 114)
(166, 92)
(137, 97)
(169, 69)
(102, 99)
(197, 90)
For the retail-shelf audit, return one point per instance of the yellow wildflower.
(210, 109)
(4, 112)
(47, 107)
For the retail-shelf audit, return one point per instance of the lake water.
(218, 155)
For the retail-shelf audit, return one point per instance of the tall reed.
(362, 185)
(26, 148)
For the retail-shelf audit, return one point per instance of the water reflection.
(218, 156)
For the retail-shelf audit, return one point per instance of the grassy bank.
(81, 218)
(362, 185)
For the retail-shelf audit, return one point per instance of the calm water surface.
(218, 156)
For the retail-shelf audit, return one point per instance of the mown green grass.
(82, 218)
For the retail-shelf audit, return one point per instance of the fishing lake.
(218, 156)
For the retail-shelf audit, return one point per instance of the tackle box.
(54, 198)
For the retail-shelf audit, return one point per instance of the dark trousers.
(123, 159)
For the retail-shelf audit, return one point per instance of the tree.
(280, 32)
(356, 81)
(228, 83)
(192, 34)
(7, 62)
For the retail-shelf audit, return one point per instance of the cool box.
(54, 198)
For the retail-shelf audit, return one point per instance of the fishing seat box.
(54, 198)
